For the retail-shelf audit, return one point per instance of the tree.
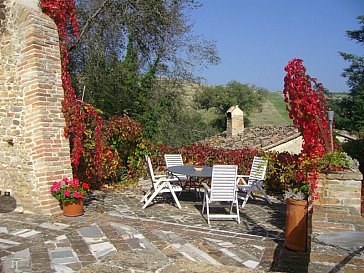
(128, 44)
(126, 53)
(350, 110)
(221, 98)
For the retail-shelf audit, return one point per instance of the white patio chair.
(160, 184)
(223, 189)
(254, 180)
(175, 160)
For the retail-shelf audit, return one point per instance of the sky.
(256, 38)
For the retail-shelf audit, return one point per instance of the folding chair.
(176, 160)
(254, 180)
(223, 189)
(160, 184)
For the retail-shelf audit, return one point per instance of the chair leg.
(153, 195)
(198, 189)
(208, 212)
(248, 194)
(237, 210)
(174, 195)
(264, 193)
(144, 198)
(203, 202)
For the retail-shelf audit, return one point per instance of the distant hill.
(274, 108)
(274, 112)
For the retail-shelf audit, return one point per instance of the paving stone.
(61, 238)
(54, 226)
(349, 240)
(92, 234)
(251, 264)
(17, 262)
(194, 254)
(29, 234)
(4, 230)
(63, 256)
(20, 231)
(102, 249)
(7, 243)
(231, 255)
(62, 268)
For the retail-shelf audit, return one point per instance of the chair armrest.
(167, 179)
(243, 187)
(206, 186)
(241, 178)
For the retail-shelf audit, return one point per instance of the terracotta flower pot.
(296, 225)
(73, 209)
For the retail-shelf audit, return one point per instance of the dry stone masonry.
(341, 189)
(33, 149)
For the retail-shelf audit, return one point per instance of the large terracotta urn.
(296, 225)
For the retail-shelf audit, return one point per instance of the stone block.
(349, 175)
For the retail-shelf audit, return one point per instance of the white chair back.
(255, 180)
(223, 183)
(173, 160)
(150, 168)
(258, 169)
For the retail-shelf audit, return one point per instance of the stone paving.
(116, 235)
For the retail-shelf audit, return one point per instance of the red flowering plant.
(69, 191)
(306, 104)
(83, 122)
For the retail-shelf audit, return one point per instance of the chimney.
(234, 121)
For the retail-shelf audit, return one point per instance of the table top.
(190, 170)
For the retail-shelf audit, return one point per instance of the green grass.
(277, 99)
(273, 113)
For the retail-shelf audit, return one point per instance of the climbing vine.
(82, 120)
(307, 107)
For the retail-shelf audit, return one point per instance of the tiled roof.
(265, 137)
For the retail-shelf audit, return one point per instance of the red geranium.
(69, 191)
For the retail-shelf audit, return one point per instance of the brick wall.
(340, 189)
(33, 149)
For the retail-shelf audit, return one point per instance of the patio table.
(190, 171)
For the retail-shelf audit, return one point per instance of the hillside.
(274, 112)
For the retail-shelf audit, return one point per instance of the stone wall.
(33, 149)
(340, 189)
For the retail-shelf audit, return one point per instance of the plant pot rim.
(293, 200)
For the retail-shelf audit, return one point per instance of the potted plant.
(71, 193)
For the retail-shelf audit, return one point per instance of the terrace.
(116, 235)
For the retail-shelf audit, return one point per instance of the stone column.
(33, 149)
